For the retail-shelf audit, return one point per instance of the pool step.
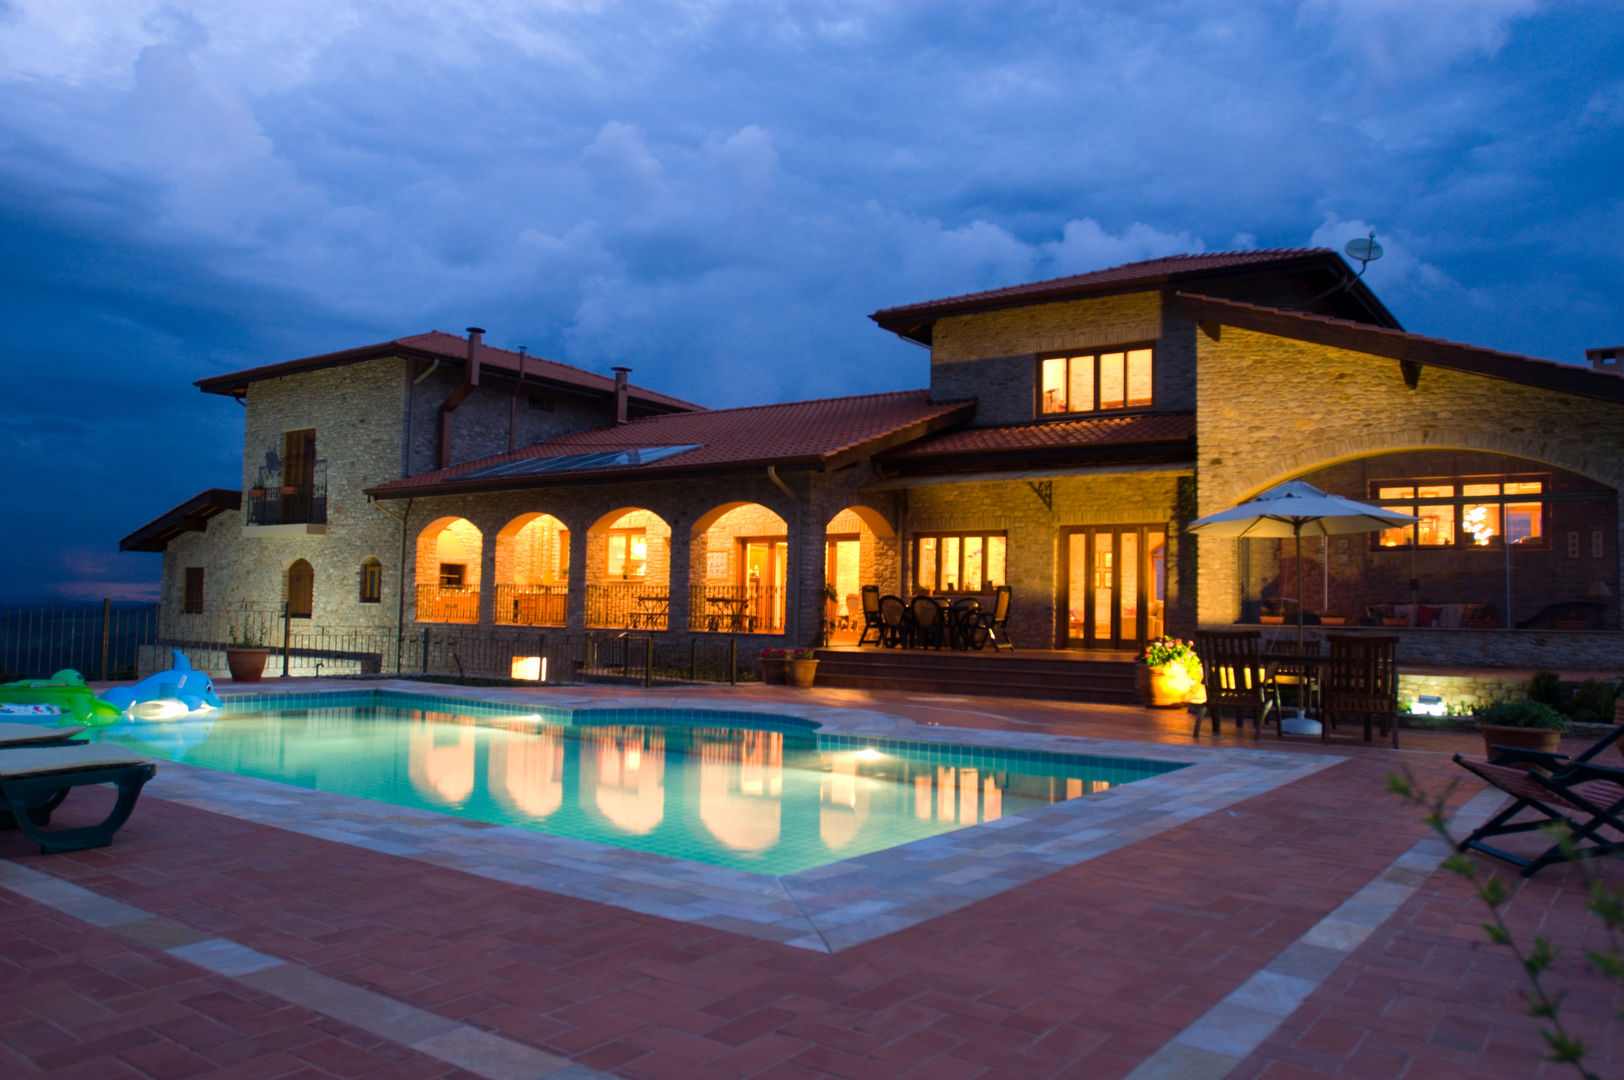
(1057, 678)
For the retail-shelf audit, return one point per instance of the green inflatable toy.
(67, 691)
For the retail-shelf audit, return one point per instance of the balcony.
(301, 501)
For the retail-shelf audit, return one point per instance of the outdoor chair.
(1232, 668)
(17, 735)
(1360, 681)
(994, 623)
(853, 608)
(1552, 762)
(872, 623)
(1582, 796)
(35, 780)
(894, 623)
(927, 618)
(960, 623)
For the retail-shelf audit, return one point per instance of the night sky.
(717, 194)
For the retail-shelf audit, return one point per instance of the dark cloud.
(718, 193)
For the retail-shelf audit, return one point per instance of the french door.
(1114, 585)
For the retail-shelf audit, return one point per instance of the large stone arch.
(739, 558)
(531, 570)
(628, 569)
(450, 551)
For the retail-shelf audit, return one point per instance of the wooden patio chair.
(927, 618)
(894, 623)
(995, 622)
(1582, 796)
(872, 623)
(1232, 669)
(1360, 682)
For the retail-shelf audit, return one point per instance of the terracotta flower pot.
(802, 671)
(247, 665)
(774, 670)
(1169, 685)
(1520, 738)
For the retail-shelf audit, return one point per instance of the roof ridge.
(799, 401)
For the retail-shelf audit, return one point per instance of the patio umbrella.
(1295, 509)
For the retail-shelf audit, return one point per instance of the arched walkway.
(448, 561)
(628, 582)
(738, 570)
(860, 549)
(532, 571)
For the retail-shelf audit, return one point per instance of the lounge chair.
(1582, 796)
(34, 780)
(12, 734)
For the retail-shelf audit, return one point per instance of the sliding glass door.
(1114, 585)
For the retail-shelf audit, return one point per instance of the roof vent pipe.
(470, 381)
(620, 394)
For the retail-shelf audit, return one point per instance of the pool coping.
(824, 909)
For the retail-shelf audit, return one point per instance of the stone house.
(1070, 430)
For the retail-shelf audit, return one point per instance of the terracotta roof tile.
(802, 433)
(1053, 434)
(443, 346)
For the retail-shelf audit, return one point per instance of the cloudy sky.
(718, 193)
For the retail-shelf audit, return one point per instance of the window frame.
(1460, 536)
(192, 590)
(460, 576)
(371, 581)
(1094, 354)
(625, 535)
(986, 536)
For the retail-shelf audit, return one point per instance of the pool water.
(753, 792)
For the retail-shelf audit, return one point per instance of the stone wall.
(480, 425)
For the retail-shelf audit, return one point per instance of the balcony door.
(1114, 587)
(298, 473)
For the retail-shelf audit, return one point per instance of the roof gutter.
(470, 383)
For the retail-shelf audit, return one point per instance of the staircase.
(1055, 676)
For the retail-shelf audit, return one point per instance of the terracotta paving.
(1093, 971)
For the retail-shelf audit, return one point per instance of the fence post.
(648, 661)
(733, 661)
(425, 650)
(107, 620)
(287, 633)
(693, 659)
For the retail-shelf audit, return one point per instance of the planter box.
(1521, 738)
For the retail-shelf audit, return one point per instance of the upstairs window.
(1095, 381)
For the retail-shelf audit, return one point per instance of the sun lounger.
(34, 735)
(34, 780)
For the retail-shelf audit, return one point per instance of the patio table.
(729, 609)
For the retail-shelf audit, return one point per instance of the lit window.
(1472, 513)
(453, 575)
(628, 553)
(1094, 382)
(959, 562)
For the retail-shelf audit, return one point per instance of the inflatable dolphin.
(168, 693)
(66, 690)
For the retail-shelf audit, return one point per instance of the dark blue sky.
(718, 193)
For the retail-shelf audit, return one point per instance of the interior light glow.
(868, 753)
(531, 668)
(1429, 705)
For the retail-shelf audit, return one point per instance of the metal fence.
(100, 641)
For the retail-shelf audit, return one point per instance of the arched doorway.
(739, 570)
(532, 571)
(448, 558)
(301, 590)
(628, 582)
(860, 548)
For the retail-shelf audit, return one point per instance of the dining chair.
(894, 622)
(872, 621)
(996, 622)
(927, 620)
(1232, 668)
(1360, 681)
(960, 622)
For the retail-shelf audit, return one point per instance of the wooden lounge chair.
(1232, 668)
(12, 734)
(34, 781)
(1583, 796)
(1360, 681)
(872, 623)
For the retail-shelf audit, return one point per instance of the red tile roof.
(453, 348)
(190, 516)
(1403, 346)
(1044, 435)
(820, 434)
(912, 320)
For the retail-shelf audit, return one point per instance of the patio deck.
(1104, 676)
(1296, 931)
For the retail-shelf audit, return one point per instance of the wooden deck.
(1109, 677)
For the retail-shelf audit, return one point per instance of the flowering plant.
(1171, 650)
(775, 654)
(803, 654)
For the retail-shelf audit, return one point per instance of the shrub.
(1526, 713)
(1546, 688)
(1592, 702)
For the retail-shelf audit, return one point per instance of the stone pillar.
(575, 617)
(678, 574)
(487, 572)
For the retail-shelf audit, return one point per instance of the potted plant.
(831, 601)
(1521, 724)
(775, 666)
(1174, 671)
(803, 665)
(247, 651)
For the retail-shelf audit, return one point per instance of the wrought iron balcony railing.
(298, 502)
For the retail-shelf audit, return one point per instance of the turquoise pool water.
(754, 792)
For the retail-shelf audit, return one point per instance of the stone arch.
(301, 589)
(861, 548)
(628, 569)
(738, 569)
(449, 550)
(532, 568)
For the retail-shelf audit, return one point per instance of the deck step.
(981, 674)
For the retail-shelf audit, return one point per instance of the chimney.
(1608, 360)
(470, 380)
(475, 336)
(620, 394)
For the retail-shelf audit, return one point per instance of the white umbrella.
(1294, 509)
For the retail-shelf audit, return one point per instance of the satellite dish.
(1366, 251)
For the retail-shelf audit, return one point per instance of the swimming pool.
(755, 792)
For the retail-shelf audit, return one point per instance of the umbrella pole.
(1297, 530)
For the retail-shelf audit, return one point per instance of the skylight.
(603, 459)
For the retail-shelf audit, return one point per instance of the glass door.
(1115, 585)
(765, 566)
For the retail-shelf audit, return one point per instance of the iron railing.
(628, 605)
(736, 609)
(446, 603)
(296, 502)
(531, 605)
(100, 641)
